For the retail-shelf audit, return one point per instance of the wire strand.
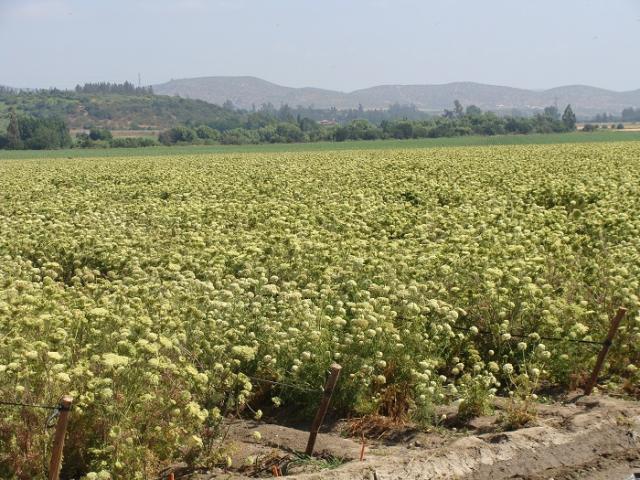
(273, 382)
(31, 405)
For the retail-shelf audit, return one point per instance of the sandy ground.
(581, 438)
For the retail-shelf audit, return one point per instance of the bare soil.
(586, 438)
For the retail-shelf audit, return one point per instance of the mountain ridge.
(248, 91)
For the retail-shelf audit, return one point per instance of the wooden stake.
(58, 438)
(362, 449)
(324, 406)
(613, 328)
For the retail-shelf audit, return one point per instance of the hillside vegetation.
(115, 110)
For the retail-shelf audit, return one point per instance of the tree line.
(288, 113)
(126, 88)
(287, 125)
(280, 126)
(276, 128)
(631, 114)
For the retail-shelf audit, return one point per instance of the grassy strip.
(534, 139)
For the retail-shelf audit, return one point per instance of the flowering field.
(152, 288)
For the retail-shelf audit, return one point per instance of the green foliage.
(177, 135)
(100, 134)
(84, 141)
(281, 133)
(569, 119)
(452, 124)
(458, 109)
(205, 132)
(604, 118)
(239, 136)
(112, 106)
(521, 407)
(476, 395)
(400, 129)
(357, 130)
(37, 133)
(290, 133)
(552, 112)
(601, 136)
(631, 114)
(126, 88)
(473, 110)
(14, 140)
(133, 142)
(518, 125)
(104, 139)
(107, 106)
(118, 110)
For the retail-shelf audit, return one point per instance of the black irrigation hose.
(553, 339)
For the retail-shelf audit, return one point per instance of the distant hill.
(246, 92)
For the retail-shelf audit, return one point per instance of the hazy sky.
(338, 44)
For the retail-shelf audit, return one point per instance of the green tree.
(362, 130)
(290, 133)
(307, 125)
(552, 112)
(569, 118)
(473, 110)
(100, 134)
(630, 114)
(207, 133)
(285, 114)
(179, 134)
(458, 109)
(40, 133)
(14, 142)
